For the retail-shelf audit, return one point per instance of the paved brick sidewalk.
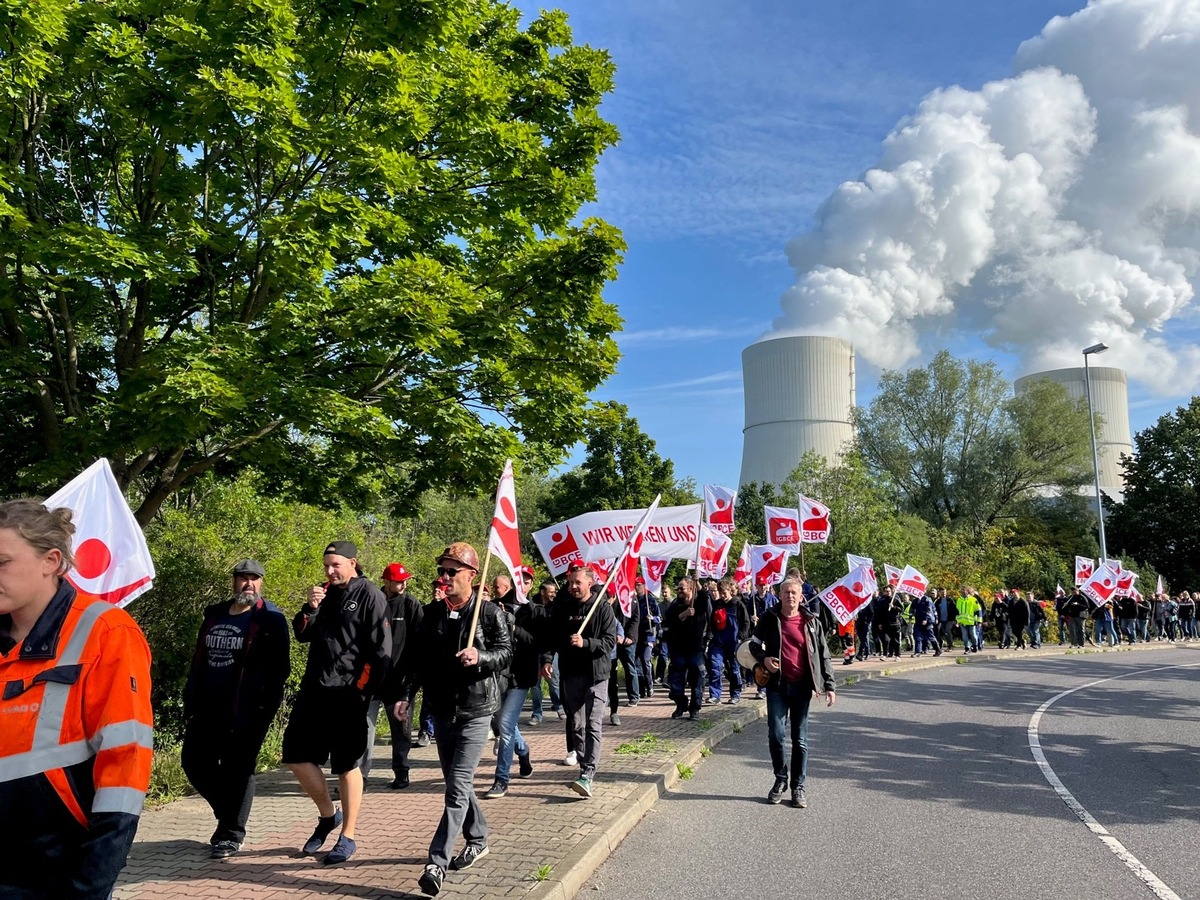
(540, 823)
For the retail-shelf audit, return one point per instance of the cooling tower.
(1110, 399)
(799, 392)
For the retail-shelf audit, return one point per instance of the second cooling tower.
(799, 395)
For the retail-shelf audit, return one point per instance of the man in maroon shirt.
(789, 643)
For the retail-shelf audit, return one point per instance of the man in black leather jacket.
(461, 683)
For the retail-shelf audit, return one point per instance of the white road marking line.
(1122, 853)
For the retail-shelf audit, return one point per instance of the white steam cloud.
(1046, 212)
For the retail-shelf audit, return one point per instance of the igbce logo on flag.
(783, 526)
(718, 504)
(847, 596)
(564, 550)
(814, 524)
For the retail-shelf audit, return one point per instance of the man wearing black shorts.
(346, 624)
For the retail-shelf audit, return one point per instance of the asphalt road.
(924, 786)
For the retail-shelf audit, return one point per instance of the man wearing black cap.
(233, 691)
(460, 679)
(404, 613)
(346, 625)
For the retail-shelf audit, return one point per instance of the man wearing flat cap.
(234, 689)
(345, 623)
(461, 683)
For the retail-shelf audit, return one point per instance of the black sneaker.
(798, 799)
(225, 849)
(776, 793)
(423, 741)
(526, 767)
(325, 827)
(497, 790)
(678, 714)
(431, 879)
(693, 715)
(467, 858)
(342, 851)
(399, 783)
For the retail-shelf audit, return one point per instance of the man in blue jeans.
(790, 644)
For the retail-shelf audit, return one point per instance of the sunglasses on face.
(449, 573)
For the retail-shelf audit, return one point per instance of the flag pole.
(612, 573)
(479, 598)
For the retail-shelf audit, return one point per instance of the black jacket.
(350, 636)
(529, 628)
(768, 637)
(630, 624)
(594, 658)
(687, 636)
(1075, 606)
(405, 613)
(649, 613)
(266, 665)
(1018, 612)
(452, 690)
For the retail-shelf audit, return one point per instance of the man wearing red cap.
(460, 683)
(404, 611)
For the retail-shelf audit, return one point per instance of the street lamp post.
(1087, 380)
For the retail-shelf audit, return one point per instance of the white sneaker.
(572, 759)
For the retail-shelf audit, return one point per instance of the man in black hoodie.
(584, 664)
(346, 625)
(686, 627)
(233, 691)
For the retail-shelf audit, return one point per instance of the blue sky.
(737, 121)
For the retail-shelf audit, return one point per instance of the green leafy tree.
(336, 242)
(960, 450)
(1159, 520)
(622, 469)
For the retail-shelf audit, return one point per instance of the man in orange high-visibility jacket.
(75, 719)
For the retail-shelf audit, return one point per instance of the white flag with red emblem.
(783, 526)
(627, 567)
(1102, 586)
(714, 553)
(653, 571)
(814, 521)
(1125, 580)
(847, 596)
(853, 562)
(112, 561)
(912, 582)
(1084, 566)
(718, 507)
(767, 563)
(742, 574)
(504, 540)
(893, 574)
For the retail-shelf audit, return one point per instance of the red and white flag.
(504, 540)
(847, 596)
(627, 567)
(912, 582)
(742, 574)
(814, 521)
(783, 526)
(1125, 580)
(653, 571)
(714, 553)
(893, 574)
(112, 561)
(603, 534)
(718, 507)
(1059, 592)
(853, 562)
(1084, 566)
(1102, 586)
(767, 563)
(1116, 565)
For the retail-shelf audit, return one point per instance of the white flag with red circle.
(783, 526)
(1084, 567)
(112, 561)
(718, 507)
(742, 574)
(912, 582)
(1102, 586)
(814, 521)
(1125, 580)
(893, 574)
(850, 594)
(767, 563)
(504, 540)
(713, 559)
(653, 571)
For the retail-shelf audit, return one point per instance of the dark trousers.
(789, 701)
(401, 741)
(645, 658)
(891, 640)
(625, 654)
(219, 761)
(583, 702)
(459, 746)
(687, 674)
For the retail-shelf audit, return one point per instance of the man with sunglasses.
(462, 691)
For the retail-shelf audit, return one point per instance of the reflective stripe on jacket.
(76, 727)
